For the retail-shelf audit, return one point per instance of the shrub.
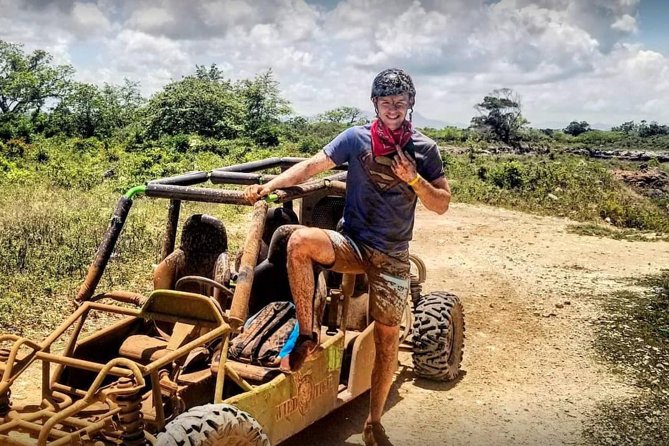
(507, 175)
(567, 186)
(14, 148)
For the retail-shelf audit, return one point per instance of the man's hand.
(255, 192)
(404, 166)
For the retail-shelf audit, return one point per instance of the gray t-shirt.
(380, 207)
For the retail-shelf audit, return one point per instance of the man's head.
(393, 95)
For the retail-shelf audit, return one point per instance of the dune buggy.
(163, 372)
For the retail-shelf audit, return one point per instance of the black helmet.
(391, 82)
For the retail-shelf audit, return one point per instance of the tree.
(28, 81)
(203, 103)
(88, 110)
(642, 129)
(344, 115)
(264, 108)
(500, 117)
(627, 128)
(646, 130)
(575, 128)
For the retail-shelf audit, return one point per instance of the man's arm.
(297, 174)
(435, 195)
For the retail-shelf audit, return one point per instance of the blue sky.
(653, 21)
(603, 61)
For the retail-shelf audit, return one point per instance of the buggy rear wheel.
(213, 425)
(438, 336)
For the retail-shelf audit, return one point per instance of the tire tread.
(435, 315)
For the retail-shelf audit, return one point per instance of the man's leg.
(388, 294)
(386, 339)
(306, 246)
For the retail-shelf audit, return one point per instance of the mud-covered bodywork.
(166, 353)
(124, 383)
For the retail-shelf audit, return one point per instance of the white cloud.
(569, 59)
(151, 19)
(152, 60)
(626, 23)
(226, 14)
(87, 19)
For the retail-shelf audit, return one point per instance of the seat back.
(202, 251)
(203, 240)
(270, 280)
(180, 306)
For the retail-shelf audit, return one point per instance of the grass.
(57, 195)
(48, 237)
(558, 184)
(633, 338)
(55, 205)
(632, 235)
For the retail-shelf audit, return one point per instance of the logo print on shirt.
(382, 176)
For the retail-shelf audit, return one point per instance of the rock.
(559, 305)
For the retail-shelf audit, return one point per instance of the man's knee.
(310, 244)
(385, 338)
(299, 243)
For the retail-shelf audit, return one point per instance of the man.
(390, 166)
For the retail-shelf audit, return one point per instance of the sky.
(600, 61)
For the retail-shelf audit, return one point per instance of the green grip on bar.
(134, 191)
(271, 198)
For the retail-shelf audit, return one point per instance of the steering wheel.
(203, 281)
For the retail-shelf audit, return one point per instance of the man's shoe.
(304, 346)
(375, 435)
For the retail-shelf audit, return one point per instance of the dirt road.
(530, 377)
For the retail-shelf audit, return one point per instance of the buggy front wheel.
(213, 425)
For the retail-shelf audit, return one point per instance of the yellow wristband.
(414, 181)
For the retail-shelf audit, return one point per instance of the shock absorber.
(5, 403)
(130, 417)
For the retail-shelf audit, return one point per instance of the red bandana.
(385, 141)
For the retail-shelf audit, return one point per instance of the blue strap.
(290, 342)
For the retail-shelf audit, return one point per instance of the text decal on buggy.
(307, 391)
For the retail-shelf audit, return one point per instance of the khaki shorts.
(388, 275)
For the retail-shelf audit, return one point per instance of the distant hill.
(421, 121)
(561, 125)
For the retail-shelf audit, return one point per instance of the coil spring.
(130, 417)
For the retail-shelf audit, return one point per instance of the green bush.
(599, 138)
(447, 135)
(86, 145)
(506, 175)
(14, 148)
(566, 186)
